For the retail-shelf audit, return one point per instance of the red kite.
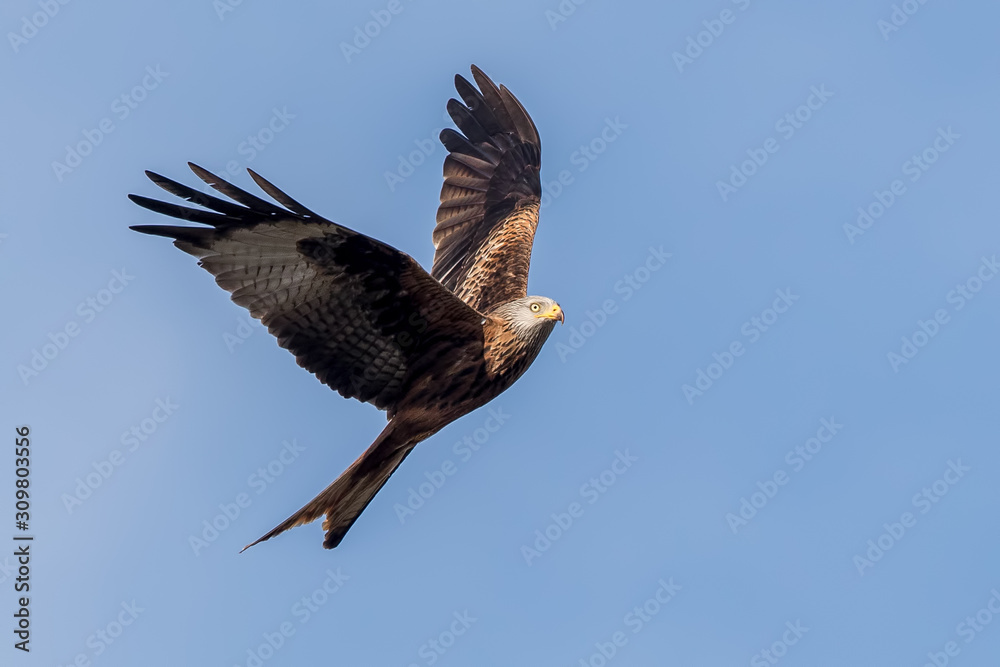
(365, 318)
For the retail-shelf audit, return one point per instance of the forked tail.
(347, 497)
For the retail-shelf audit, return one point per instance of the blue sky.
(766, 434)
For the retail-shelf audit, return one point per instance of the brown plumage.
(365, 318)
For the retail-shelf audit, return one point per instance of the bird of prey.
(365, 318)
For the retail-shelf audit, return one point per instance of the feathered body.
(365, 317)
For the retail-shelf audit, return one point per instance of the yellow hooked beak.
(554, 313)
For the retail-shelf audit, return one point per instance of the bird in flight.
(365, 318)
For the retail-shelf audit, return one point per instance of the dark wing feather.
(354, 311)
(490, 197)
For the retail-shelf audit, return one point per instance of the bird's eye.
(535, 308)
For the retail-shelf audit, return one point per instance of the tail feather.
(347, 497)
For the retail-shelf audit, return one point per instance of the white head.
(532, 316)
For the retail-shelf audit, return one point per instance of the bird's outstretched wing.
(490, 198)
(354, 311)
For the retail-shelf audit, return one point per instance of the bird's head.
(543, 308)
(532, 315)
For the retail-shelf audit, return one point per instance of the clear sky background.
(733, 529)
